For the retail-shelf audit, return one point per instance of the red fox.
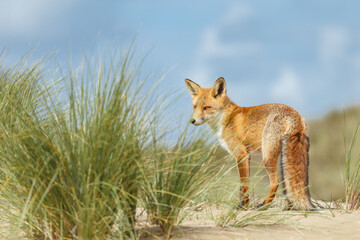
(274, 129)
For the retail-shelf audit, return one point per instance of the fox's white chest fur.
(217, 126)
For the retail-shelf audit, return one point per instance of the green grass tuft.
(74, 172)
(352, 172)
(178, 177)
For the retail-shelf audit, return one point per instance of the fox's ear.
(219, 88)
(193, 87)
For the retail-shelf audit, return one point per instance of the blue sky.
(302, 53)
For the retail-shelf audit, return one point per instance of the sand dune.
(328, 225)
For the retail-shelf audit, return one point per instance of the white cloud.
(212, 46)
(202, 75)
(22, 18)
(236, 13)
(333, 44)
(287, 88)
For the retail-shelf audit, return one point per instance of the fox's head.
(208, 103)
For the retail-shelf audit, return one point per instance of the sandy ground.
(200, 225)
(328, 225)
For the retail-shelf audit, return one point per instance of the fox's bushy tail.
(294, 169)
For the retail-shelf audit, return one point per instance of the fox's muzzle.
(197, 122)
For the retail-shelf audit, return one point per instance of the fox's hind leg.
(270, 162)
(271, 146)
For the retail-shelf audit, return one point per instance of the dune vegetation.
(82, 151)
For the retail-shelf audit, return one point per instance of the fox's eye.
(206, 108)
(194, 106)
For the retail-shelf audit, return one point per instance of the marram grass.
(76, 164)
(74, 174)
(178, 176)
(352, 172)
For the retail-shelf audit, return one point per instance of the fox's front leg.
(243, 165)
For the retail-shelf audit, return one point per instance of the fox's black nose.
(192, 121)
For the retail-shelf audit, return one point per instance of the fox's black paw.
(243, 206)
(262, 206)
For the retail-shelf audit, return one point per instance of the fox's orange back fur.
(274, 129)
